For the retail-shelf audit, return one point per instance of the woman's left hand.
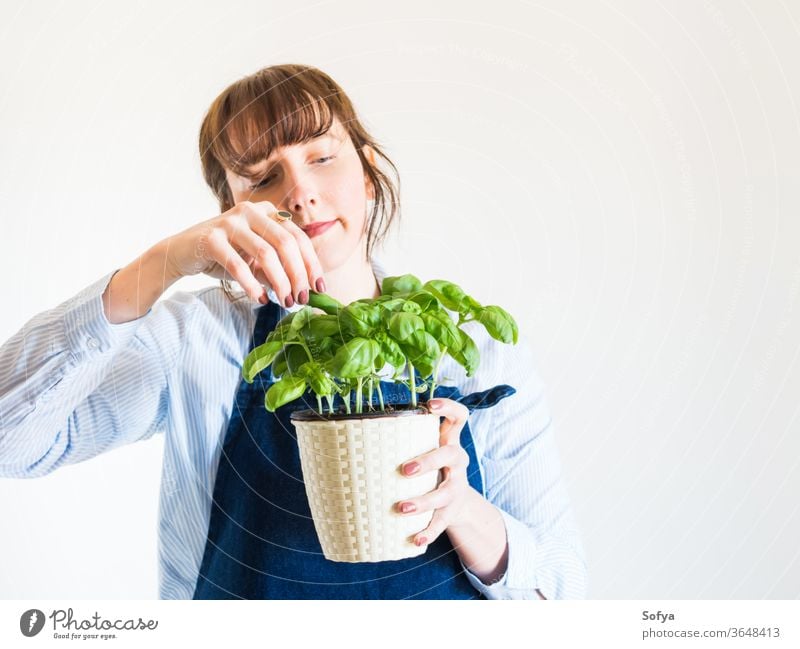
(451, 500)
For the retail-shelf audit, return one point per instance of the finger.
(455, 415)
(282, 241)
(449, 455)
(223, 253)
(440, 497)
(265, 263)
(313, 264)
(435, 528)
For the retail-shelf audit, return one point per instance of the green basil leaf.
(279, 365)
(284, 324)
(400, 284)
(402, 325)
(468, 356)
(392, 352)
(355, 358)
(425, 299)
(303, 318)
(259, 358)
(325, 325)
(317, 378)
(325, 349)
(283, 332)
(422, 350)
(357, 319)
(324, 302)
(448, 294)
(499, 323)
(389, 303)
(296, 357)
(287, 389)
(471, 305)
(444, 330)
(411, 307)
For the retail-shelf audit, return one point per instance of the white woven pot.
(351, 469)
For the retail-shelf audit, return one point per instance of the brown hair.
(282, 105)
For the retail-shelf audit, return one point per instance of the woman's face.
(317, 181)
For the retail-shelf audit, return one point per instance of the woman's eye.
(263, 183)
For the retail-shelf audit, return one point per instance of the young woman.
(304, 200)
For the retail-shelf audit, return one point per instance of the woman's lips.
(318, 228)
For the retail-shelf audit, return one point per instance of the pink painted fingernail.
(320, 285)
(411, 468)
(289, 301)
(303, 297)
(422, 540)
(407, 507)
(435, 405)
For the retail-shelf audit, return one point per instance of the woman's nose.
(302, 192)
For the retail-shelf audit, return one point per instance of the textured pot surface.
(351, 469)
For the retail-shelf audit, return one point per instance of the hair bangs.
(256, 121)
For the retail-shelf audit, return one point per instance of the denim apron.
(261, 541)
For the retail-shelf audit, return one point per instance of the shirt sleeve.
(73, 385)
(522, 478)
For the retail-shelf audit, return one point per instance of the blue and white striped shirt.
(72, 386)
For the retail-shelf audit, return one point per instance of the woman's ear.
(369, 154)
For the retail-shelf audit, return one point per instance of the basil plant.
(341, 350)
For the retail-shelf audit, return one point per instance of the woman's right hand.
(248, 245)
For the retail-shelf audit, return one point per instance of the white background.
(622, 177)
